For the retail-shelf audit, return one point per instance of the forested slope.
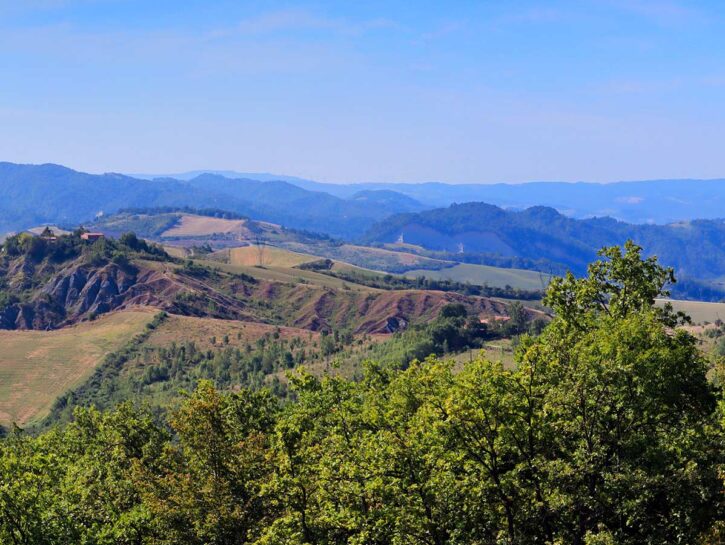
(696, 249)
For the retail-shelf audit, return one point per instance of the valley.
(117, 318)
(225, 283)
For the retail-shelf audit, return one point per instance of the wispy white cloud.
(667, 12)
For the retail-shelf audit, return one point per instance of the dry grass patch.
(38, 366)
(699, 311)
(189, 226)
(270, 256)
(202, 331)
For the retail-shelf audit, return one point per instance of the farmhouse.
(91, 237)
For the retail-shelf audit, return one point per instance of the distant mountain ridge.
(36, 194)
(233, 174)
(643, 201)
(647, 201)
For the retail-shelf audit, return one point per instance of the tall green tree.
(207, 491)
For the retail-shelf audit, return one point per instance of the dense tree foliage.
(606, 431)
(65, 247)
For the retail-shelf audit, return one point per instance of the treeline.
(155, 375)
(454, 331)
(698, 290)
(390, 282)
(208, 212)
(607, 431)
(545, 266)
(547, 241)
(62, 248)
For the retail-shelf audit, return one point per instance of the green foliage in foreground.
(606, 432)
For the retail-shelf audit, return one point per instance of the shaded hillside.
(38, 194)
(282, 202)
(695, 249)
(388, 200)
(51, 284)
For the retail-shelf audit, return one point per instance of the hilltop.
(186, 227)
(203, 233)
(50, 284)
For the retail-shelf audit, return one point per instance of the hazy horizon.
(282, 176)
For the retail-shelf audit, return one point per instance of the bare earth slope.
(78, 290)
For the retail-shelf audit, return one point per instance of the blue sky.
(486, 91)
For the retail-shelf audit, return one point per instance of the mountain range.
(644, 201)
(677, 220)
(37, 194)
(33, 194)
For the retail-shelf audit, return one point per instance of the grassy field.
(37, 366)
(208, 333)
(190, 225)
(499, 351)
(177, 251)
(382, 259)
(700, 311)
(249, 256)
(483, 274)
(288, 275)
